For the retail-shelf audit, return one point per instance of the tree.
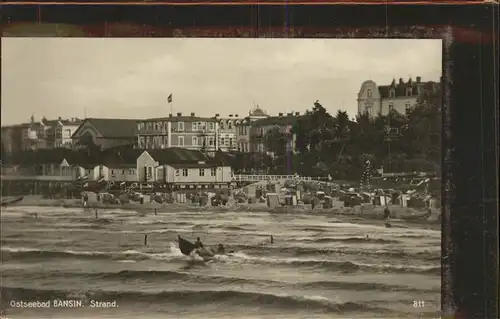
(275, 141)
(424, 127)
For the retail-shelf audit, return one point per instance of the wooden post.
(145, 239)
(96, 214)
(155, 211)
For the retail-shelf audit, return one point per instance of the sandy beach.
(366, 213)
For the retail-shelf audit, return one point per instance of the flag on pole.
(169, 99)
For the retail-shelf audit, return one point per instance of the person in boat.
(221, 249)
(198, 243)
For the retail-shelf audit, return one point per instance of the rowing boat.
(185, 246)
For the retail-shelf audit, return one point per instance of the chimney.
(297, 113)
(236, 115)
(59, 118)
(419, 79)
(230, 115)
(280, 114)
(217, 114)
(401, 81)
(192, 114)
(179, 114)
(170, 115)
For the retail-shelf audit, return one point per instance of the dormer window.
(409, 91)
(392, 93)
(369, 93)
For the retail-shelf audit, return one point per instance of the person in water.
(198, 243)
(387, 212)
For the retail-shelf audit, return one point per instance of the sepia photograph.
(195, 178)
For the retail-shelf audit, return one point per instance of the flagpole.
(170, 100)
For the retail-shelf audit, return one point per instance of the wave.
(334, 265)
(184, 277)
(266, 249)
(193, 297)
(27, 253)
(175, 255)
(231, 227)
(363, 240)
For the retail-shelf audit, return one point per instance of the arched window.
(369, 93)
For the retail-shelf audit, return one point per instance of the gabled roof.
(120, 156)
(113, 128)
(176, 155)
(127, 155)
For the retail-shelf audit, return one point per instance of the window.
(227, 142)
(181, 141)
(112, 172)
(177, 173)
(409, 91)
(369, 93)
(392, 93)
(222, 141)
(185, 172)
(230, 125)
(202, 172)
(180, 126)
(221, 125)
(131, 171)
(230, 141)
(195, 141)
(123, 172)
(211, 141)
(391, 107)
(213, 171)
(211, 126)
(150, 171)
(194, 127)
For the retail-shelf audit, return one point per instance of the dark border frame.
(470, 122)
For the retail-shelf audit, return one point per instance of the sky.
(132, 78)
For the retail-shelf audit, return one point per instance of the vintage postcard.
(221, 178)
